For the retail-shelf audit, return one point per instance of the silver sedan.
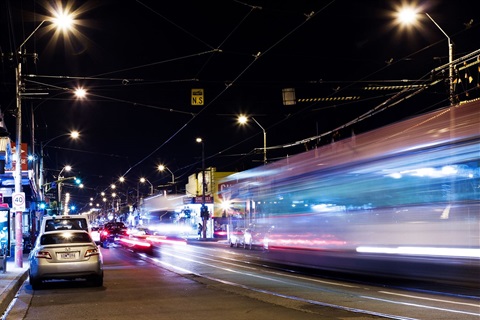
(66, 255)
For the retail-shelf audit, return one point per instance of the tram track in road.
(216, 267)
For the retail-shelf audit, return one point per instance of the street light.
(73, 135)
(61, 20)
(59, 186)
(203, 210)
(243, 120)
(162, 168)
(143, 180)
(409, 16)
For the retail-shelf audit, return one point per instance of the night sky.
(140, 60)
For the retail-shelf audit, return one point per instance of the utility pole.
(18, 165)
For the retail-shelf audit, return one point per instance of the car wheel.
(35, 283)
(98, 281)
(231, 243)
(105, 244)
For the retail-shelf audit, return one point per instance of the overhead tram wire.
(155, 63)
(256, 57)
(103, 98)
(176, 25)
(363, 79)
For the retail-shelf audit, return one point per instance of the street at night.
(211, 280)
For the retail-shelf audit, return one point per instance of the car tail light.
(105, 232)
(91, 252)
(43, 254)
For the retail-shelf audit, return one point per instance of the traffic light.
(204, 213)
(41, 205)
(78, 181)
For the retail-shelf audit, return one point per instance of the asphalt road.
(214, 281)
(137, 289)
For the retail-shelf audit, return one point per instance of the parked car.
(66, 255)
(65, 222)
(112, 232)
(236, 237)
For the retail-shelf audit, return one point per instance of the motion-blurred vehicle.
(255, 237)
(112, 232)
(379, 202)
(236, 237)
(65, 255)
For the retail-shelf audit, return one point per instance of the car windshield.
(66, 224)
(115, 225)
(63, 238)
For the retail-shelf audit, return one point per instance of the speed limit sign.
(18, 201)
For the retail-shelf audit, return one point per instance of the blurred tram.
(399, 201)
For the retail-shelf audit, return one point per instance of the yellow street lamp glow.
(242, 119)
(408, 16)
(63, 20)
(161, 167)
(80, 93)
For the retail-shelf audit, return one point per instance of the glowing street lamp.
(408, 16)
(143, 180)
(80, 93)
(163, 168)
(61, 20)
(73, 135)
(243, 120)
(59, 186)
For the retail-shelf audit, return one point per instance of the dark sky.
(140, 60)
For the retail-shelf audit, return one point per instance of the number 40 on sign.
(18, 201)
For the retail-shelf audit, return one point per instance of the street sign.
(18, 201)
(197, 97)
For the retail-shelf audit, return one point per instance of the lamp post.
(451, 90)
(243, 120)
(408, 16)
(62, 20)
(162, 168)
(113, 206)
(143, 180)
(104, 211)
(122, 180)
(59, 186)
(203, 210)
(73, 135)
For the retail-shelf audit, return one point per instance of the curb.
(11, 290)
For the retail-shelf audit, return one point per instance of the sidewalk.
(11, 280)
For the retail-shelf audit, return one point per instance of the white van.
(65, 222)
